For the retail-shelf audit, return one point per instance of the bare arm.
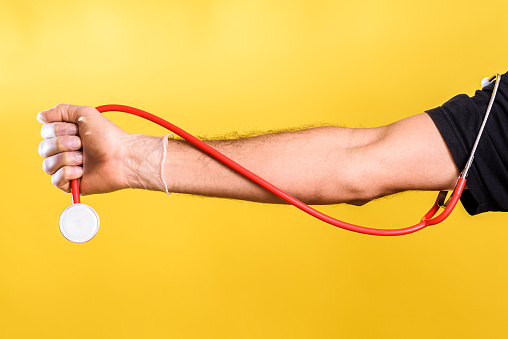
(324, 165)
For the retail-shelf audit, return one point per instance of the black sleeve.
(459, 121)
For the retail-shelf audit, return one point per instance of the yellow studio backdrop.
(190, 267)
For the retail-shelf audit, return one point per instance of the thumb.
(63, 112)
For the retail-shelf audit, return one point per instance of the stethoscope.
(79, 222)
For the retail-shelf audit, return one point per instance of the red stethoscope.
(79, 222)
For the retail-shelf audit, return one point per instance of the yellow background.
(189, 267)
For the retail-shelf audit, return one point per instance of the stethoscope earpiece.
(488, 81)
(79, 223)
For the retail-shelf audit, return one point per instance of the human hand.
(82, 143)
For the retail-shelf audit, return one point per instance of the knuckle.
(59, 128)
(68, 143)
(60, 143)
(86, 111)
(61, 106)
(66, 158)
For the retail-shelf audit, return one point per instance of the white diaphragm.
(79, 223)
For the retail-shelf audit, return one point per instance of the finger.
(57, 161)
(61, 179)
(56, 129)
(64, 112)
(56, 145)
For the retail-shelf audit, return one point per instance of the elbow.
(361, 190)
(353, 170)
(349, 187)
(358, 179)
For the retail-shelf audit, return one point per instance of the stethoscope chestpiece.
(79, 223)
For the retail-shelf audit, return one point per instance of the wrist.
(141, 162)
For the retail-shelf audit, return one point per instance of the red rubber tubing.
(426, 220)
(75, 191)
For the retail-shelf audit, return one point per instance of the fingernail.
(40, 117)
(75, 142)
(71, 129)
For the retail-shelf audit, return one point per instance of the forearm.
(312, 165)
(324, 165)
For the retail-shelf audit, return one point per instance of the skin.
(322, 165)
